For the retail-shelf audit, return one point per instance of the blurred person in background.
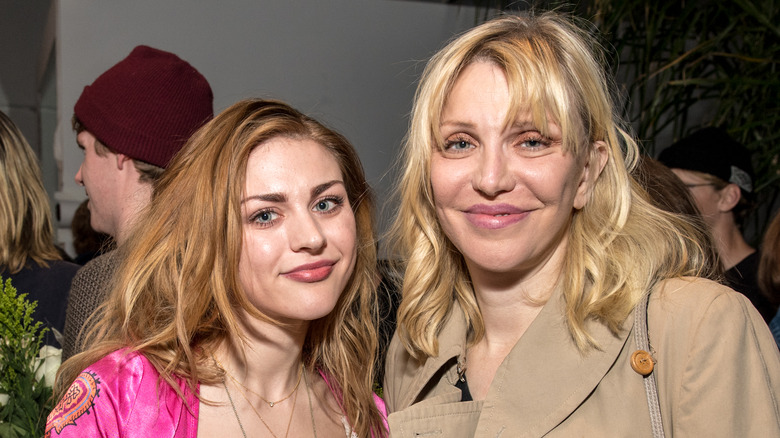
(769, 271)
(87, 242)
(28, 255)
(130, 122)
(719, 174)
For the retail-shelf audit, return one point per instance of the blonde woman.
(245, 302)
(27, 252)
(529, 250)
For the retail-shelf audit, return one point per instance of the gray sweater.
(89, 290)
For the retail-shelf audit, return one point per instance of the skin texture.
(716, 209)
(299, 230)
(112, 182)
(504, 195)
(98, 177)
(707, 198)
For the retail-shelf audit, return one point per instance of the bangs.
(538, 86)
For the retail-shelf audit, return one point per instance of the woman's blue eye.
(326, 204)
(265, 217)
(535, 143)
(458, 145)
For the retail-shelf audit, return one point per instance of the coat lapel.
(452, 345)
(545, 377)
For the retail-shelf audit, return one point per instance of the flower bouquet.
(26, 370)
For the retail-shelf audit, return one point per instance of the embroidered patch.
(79, 399)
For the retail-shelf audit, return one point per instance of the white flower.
(3, 399)
(49, 359)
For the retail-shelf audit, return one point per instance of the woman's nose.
(307, 235)
(492, 175)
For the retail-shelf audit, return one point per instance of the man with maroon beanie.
(130, 123)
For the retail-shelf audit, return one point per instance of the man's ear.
(729, 198)
(123, 160)
(594, 165)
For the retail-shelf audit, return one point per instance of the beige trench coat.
(718, 373)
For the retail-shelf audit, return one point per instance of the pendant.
(271, 404)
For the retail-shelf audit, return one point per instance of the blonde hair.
(619, 244)
(25, 214)
(176, 300)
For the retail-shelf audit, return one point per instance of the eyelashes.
(527, 141)
(267, 217)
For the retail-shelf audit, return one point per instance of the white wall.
(352, 64)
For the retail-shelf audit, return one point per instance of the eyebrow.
(524, 125)
(281, 197)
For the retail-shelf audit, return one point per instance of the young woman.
(245, 301)
(529, 252)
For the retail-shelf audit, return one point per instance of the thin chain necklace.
(311, 410)
(243, 432)
(269, 402)
(232, 405)
(289, 422)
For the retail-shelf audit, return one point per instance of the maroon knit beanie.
(147, 105)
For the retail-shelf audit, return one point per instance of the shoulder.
(92, 279)
(101, 392)
(99, 266)
(695, 323)
(698, 296)
(691, 305)
(62, 268)
(710, 345)
(120, 389)
(56, 273)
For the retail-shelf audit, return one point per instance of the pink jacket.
(119, 396)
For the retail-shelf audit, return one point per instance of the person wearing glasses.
(718, 172)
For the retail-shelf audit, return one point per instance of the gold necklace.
(289, 422)
(269, 402)
(232, 405)
(311, 410)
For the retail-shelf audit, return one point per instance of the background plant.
(29, 395)
(688, 64)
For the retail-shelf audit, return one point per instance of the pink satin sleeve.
(120, 396)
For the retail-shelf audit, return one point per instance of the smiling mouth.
(493, 217)
(311, 273)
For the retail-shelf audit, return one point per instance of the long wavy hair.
(619, 244)
(177, 295)
(26, 226)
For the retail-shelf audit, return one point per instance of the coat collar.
(543, 379)
(452, 348)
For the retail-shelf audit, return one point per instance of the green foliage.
(689, 64)
(24, 413)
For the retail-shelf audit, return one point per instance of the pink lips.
(494, 216)
(311, 272)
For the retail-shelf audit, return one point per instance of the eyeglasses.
(690, 186)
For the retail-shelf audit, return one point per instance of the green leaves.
(28, 398)
(689, 64)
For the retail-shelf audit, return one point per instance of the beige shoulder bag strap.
(643, 363)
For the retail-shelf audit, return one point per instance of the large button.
(642, 362)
